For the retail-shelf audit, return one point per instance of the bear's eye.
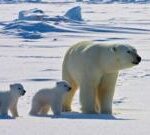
(128, 52)
(19, 88)
(65, 86)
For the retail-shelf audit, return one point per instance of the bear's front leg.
(4, 109)
(13, 110)
(106, 92)
(88, 98)
(57, 107)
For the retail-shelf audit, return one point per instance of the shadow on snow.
(77, 115)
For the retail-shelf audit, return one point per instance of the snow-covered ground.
(36, 63)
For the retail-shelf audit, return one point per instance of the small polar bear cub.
(9, 99)
(48, 98)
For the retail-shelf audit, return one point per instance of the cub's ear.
(114, 49)
(11, 86)
(57, 83)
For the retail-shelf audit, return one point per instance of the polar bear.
(93, 68)
(50, 97)
(9, 99)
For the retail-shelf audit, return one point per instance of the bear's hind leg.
(4, 109)
(35, 109)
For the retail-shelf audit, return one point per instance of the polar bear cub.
(9, 99)
(48, 98)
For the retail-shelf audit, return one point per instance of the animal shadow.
(77, 115)
(6, 117)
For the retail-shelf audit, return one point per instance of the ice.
(74, 14)
(32, 14)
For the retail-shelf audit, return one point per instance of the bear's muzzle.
(23, 93)
(138, 60)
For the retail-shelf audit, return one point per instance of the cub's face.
(17, 89)
(127, 56)
(63, 85)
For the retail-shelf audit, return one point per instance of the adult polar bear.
(94, 67)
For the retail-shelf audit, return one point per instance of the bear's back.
(44, 95)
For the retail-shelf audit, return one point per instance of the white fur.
(94, 69)
(9, 99)
(48, 98)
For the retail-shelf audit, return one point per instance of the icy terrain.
(31, 52)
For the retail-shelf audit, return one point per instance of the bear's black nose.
(23, 93)
(69, 88)
(139, 59)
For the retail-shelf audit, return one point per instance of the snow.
(35, 61)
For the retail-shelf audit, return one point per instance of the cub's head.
(63, 85)
(126, 56)
(17, 89)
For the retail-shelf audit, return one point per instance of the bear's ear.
(113, 49)
(57, 83)
(11, 86)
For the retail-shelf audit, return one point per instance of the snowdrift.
(73, 14)
(32, 23)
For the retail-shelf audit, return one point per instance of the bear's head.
(63, 85)
(17, 89)
(126, 56)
